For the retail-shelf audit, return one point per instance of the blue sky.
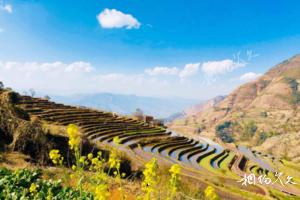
(194, 49)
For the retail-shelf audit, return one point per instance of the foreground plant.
(210, 193)
(151, 180)
(174, 180)
(98, 182)
(115, 164)
(96, 165)
(55, 157)
(26, 184)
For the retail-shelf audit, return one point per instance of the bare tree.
(1, 85)
(47, 97)
(138, 113)
(31, 92)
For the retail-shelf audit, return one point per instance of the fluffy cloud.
(213, 68)
(162, 71)
(8, 8)
(250, 76)
(112, 18)
(189, 70)
(79, 67)
(76, 77)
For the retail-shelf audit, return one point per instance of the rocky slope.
(257, 113)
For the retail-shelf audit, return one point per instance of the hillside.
(258, 113)
(195, 109)
(33, 126)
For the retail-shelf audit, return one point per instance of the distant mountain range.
(127, 104)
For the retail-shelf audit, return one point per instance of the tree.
(47, 97)
(249, 129)
(138, 113)
(224, 131)
(1, 85)
(32, 92)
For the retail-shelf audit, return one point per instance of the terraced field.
(198, 157)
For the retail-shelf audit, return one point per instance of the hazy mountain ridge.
(256, 111)
(194, 110)
(127, 104)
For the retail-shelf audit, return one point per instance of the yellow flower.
(114, 160)
(82, 159)
(90, 156)
(101, 192)
(73, 167)
(33, 188)
(56, 157)
(116, 141)
(74, 137)
(174, 180)
(151, 178)
(210, 193)
(175, 169)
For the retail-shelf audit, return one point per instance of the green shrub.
(26, 184)
(262, 137)
(294, 85)
(249, 130)
(224, 132)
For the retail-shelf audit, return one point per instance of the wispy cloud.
(250, 76)
(214, 68)
(34, 67)
(6, 7)
(112, 18)
(251, 54)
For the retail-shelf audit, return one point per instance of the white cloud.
(76, 77)
(112, 18)
(250, 76)
(79, 67)
(162, 71)
(1, 30)
(189, 70)
(112, 77)
(213, 68)
(34, 67)
(7, 7)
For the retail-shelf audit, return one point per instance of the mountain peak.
(287, 67)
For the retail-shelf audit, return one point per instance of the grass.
(245, 194)
(281, 196)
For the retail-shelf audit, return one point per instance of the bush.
(224, 132)
(294, 85)
(249, 129)
(262, 137)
